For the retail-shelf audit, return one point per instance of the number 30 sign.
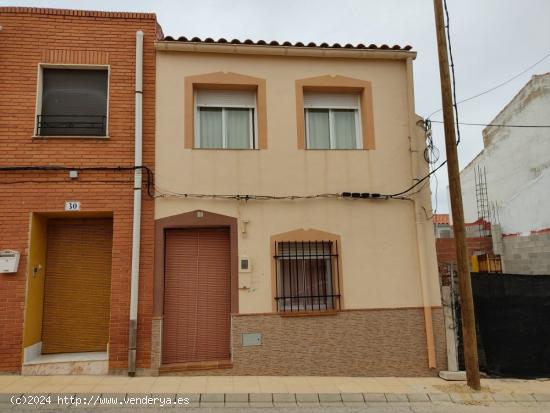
(72, 206)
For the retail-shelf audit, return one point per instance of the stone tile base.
(379, 342)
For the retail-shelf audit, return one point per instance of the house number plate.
(72, 206)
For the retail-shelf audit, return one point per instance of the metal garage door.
(77, 285)
(197, 295)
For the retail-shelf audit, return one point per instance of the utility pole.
(464, 280)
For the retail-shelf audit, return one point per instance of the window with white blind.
(225, 119)
(332, 120)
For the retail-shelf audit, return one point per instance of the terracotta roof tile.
(441, 219)
(371, 46)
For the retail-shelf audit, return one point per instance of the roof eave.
(291, 51)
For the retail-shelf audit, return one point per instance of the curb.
(262, 399)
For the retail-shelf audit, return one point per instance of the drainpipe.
(136, 230)
(420, 219)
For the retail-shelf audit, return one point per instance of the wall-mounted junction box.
(245, 265)
(251, 339)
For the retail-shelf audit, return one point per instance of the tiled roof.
(287, 44)
(479, 223)
(441, 219)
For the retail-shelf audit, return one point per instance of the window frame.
(40, 88)
(330, 267)
(337, 84)
(331, 110)
(224, 81)
(252, 120)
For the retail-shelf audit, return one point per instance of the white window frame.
(331, 109)
(40, 87)
(253, 123)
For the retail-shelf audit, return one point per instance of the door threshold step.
(196, 365)
(69, 357)
(95, 363)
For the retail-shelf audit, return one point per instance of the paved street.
(279, 402)
(370, 408)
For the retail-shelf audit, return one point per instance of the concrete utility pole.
(465, 282)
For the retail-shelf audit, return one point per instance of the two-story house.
(77, 124)
(288, 238)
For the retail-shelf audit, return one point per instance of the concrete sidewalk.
(105, 393)
(496, 388)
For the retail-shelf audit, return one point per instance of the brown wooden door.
(197, 295)
(77, 285)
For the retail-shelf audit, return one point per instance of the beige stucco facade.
(387, 249)
(379, 245)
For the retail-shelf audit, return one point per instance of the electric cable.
(453, 77)
(495, 87)
(149, 179)
(496, 125)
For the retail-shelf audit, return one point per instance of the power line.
(149, 181)
(497, 125)
(497, 86)
(453, 77)
(427, 122)
(417, 182)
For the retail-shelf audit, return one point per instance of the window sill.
(40, 137)
(308, 313)
(337, 149)
(226, 149)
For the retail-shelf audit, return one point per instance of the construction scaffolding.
(482, 201)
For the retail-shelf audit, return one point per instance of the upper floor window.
(73, 102)
(332, 120)
(225, 119)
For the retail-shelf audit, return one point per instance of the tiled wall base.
(381, 342)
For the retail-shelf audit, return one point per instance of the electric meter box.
(9, 261)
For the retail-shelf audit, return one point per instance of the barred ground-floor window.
(307, 275)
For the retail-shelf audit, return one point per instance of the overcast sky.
(492, 41)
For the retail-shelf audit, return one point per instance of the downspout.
(420, 219)
(136, 230)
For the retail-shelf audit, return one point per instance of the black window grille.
(71, 125)
(307, 276)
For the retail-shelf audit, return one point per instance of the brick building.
(68, 101)
(446, 253)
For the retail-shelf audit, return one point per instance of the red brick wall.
(33, 36)
(446, 252)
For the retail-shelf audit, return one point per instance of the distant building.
(515, 169)
(442, 226)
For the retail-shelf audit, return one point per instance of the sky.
(492, 41)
